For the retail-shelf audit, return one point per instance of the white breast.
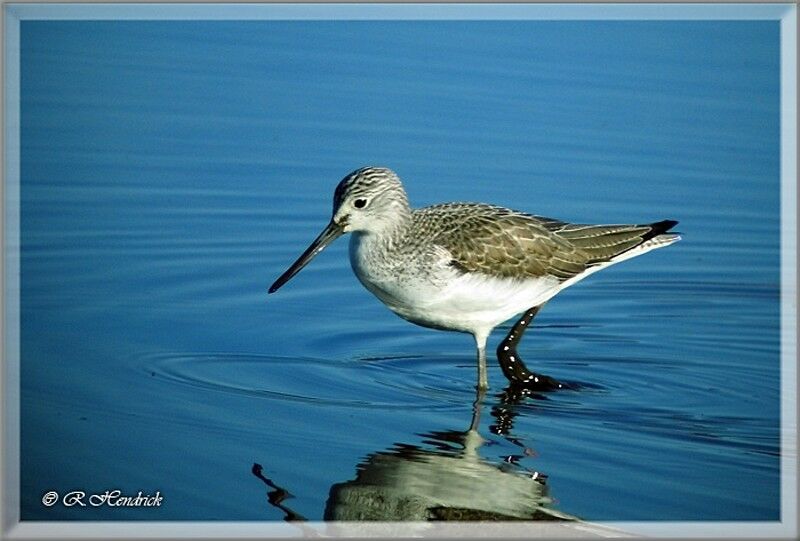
(475, 302)
(434, 294)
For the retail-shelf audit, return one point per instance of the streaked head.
(368, 200)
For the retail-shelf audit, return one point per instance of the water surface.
(172, 170)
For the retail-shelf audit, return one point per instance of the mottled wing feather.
(501, 242)
(498, 242)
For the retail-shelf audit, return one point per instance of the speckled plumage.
(466, 266)
(501, 242)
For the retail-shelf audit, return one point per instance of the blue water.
(170, 171)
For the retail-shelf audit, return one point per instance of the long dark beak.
(331, 232)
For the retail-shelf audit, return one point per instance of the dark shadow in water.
(443, 478)
(504, 411)
(276, 496)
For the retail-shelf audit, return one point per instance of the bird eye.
(360, 203)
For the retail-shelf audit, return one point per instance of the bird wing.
(603, 243)
(499, 242)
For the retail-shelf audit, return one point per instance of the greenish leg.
(476, 409)
(483, 378)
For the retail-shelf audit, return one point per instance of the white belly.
(444, 298)
(474, 303)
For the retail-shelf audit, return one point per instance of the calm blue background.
(172, 170)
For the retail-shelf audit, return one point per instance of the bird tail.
(614, 243)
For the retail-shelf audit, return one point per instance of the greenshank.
(469, 267)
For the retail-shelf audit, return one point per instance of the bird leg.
(510, 362)
(483, 378)
(476, 409)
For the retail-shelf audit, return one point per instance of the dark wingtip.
(658, 228)
(664, 225)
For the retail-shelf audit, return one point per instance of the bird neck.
(393, 222)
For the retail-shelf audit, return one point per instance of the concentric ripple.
(396, 382)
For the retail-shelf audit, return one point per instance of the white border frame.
(12, 528)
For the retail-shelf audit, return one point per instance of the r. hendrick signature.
(110, 498)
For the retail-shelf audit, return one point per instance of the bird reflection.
(441, 478)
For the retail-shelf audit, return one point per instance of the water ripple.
(386, 383)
